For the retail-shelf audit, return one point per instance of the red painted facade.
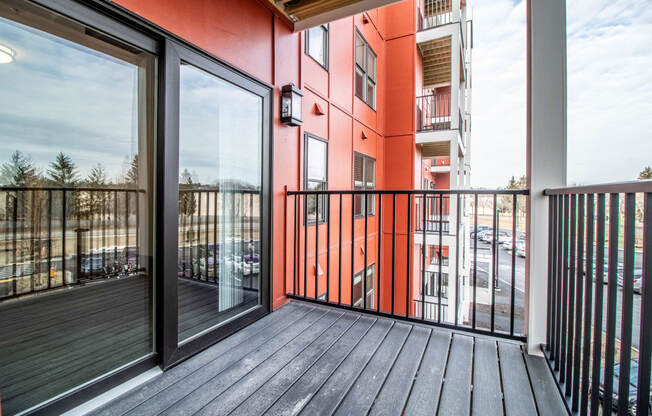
(249, 36)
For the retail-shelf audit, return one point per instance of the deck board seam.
(443, 376)
(241, 358)
(357, 318)
(230, 349)
(364, 367)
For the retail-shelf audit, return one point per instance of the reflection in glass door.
(220, 177)
(76, 139)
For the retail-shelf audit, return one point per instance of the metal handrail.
(603, 188)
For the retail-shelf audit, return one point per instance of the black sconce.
(291, 98)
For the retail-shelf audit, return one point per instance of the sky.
(609, 91)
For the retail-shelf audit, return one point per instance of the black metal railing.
(435, 13)
(434, 112)
(433, 221)
(56, 236)
(327, 257)
(598, 344)
(219, 231)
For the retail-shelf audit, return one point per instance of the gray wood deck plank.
(516, 385)
(281, 348)
(392, 397)
(363, 392)
(456, 391)
(549, 402)
(325, 397)
(487, 392)
(259, 331)
(425, 393)
(278, 371)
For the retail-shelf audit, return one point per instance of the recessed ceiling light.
(6, 54)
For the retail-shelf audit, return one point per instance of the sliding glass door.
(220, 189)
(76, 147)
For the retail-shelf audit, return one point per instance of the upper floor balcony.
(438, 125)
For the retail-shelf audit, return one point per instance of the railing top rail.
(71, 188)
(438, 94)
(417, 192)
(605, 188)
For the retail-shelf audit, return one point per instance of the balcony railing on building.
(401, 270)
(434, 112)
(433, 13)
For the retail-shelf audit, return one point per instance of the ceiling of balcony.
(436, 56)
(302, 14)
(436, 149)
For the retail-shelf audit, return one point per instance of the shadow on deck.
(307, 359)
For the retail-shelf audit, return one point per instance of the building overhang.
(303, 14)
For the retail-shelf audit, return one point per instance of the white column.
(546, 149)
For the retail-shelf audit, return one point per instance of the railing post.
(546, 149)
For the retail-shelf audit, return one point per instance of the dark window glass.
(317, 44)
(316, 172)
(364, 178)
(365, 71)
(358, 288)
(77, 136)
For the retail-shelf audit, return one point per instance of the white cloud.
(609, 93)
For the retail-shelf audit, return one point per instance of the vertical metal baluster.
(560, 279)
(612, 292)
(339, 259)
(393, 246)
(127, 228)
(206, 249)
(91, 213)
(328, 247)
(104, 268)
(553, 299)
(380, 240)
(196, 249)
(493, 264)
(252, 249)
(588, 301)
(409, 252)
(571, 295)
(645, 336)
(512, 299)
(475, 256)
(49, 216)
(63, 237)
(626, 304)
(440, 254)
(579, 296)
(215, 259)
(564, 314)
(115, 228)
(364, 273)
(597, 308)
(137, 195)
(294, 253)
(305, 246)
(352, 243)
(457, 258)
(423, 258)
(317, 197)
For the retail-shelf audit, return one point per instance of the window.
(357, 287)
(364, 178)
(317, 44)
(316, 176)
(365, 71)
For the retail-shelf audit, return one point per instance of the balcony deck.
(313, 359)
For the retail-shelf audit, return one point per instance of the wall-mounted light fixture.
(291, 98)
(7, 54)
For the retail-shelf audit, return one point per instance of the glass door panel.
(76, 139)
(220, 189)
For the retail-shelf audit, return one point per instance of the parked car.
(520, 248)
(507, 245)
(504, 236)
(633, 387)
(486, 236)
(638, 277)
(481, 228)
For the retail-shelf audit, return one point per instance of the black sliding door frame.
(170, 51)
(172, 352)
